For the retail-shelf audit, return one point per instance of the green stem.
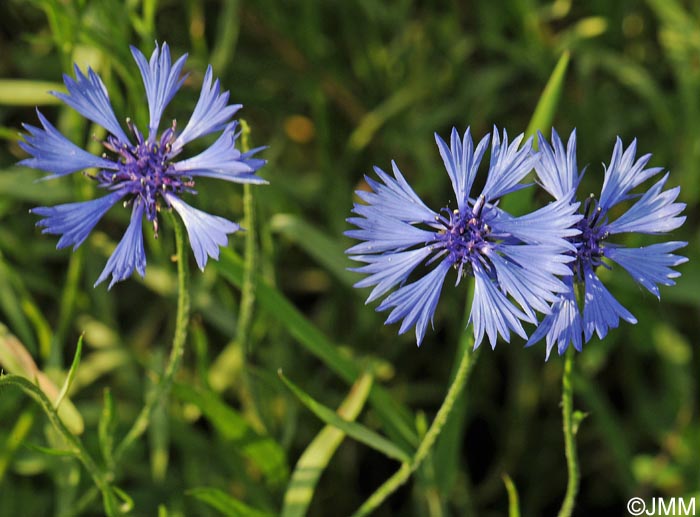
(404, 473)
(567, 411)
(182, 320)
(245, 313)
(76, 446)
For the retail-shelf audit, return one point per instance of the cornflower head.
(142, 169)
(654, 212)
(513, 260)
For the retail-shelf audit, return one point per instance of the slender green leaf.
(50, 450)
(359, 432)
(106, 427)
(520, 202)
(23, 426)
(16, 359)
(108, 494)
(513, 503)
(394, 416)
(262, 451)
(328, 252)
(19, 92)
(224, 503)
(71, 374)
(547, 105)
(318, 454)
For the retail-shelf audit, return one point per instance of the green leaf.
(513, 504)
(262, 451)
(15, 358)
(318, 454)
(359, 432)
(328, 252)
(21, 184)
(520, 202)
(107, 427)
(71, 374)
(394, 416)
(50, 450)
(19, 92)
(547, 105)
(224, 503)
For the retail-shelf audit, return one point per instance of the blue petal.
(210, 114)
(556, 168)
(551, 224)
(161, 81)
(527, 282)
(415, 303)
(223, 161)
(206, 232)
(492, 313)
(395, 198)
(383, 233)
(623, 174)
(388, 270)
(462, 162)
(53, 152)
(129, 253)
(654, 212)
(649, 265)
(562, 325)
(88, 96)
(508, 165)
(75, 221)
(601, 310)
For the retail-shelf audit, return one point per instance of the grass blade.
(513, 502)
(19, 92)
(262, 451)
(71, 374)
(224, 503)
(328, 252)
(394, 416)
(547, 105)
(318, 454)
(354, 430)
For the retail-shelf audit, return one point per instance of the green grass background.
(334, 87)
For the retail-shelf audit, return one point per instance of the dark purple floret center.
(463, 235)
(589, 243)
(145, 171)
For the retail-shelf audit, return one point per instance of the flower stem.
(404, 473)
(182, 320)
(245, 313)
(567, 409)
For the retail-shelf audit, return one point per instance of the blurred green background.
(334, 87)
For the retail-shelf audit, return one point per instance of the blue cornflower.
(142, 172)
(654, 212)
(513, 260)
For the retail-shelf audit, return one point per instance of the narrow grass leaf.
(547, 105)
(106, 427)
(22, 428)
(16, 359)
(20, 92)
(328, 252)
(318, 454)
(520, 202)
(513, 503)
(262, 451)
(224, 503)
(51, 451)
(71, 374)
(394, 416)
(359, 432)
